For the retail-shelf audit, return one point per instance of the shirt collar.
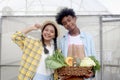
(82, 35)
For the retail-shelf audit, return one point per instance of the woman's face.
(69, 22)
(48, 33)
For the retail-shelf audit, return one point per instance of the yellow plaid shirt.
(32, 50)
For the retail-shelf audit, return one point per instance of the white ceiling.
(50, 7)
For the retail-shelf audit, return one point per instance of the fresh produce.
(90, 61)
(69, 61)
(86, 62)
(55, 61)
(97, 66)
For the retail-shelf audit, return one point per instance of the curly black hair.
(64, 12)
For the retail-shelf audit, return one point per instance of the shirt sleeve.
(19, 39)
(93, 47)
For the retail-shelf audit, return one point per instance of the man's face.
(69, 22)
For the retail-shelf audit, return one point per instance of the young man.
(75, 43)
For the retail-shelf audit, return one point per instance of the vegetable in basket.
(55, 61)
(90, 61)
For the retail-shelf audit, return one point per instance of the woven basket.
(74, 73)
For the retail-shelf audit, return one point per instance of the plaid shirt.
(32, 50)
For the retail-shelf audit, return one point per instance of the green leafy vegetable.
(55, 61)
(52, 64)
(97, 67)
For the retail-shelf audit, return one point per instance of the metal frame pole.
(101, 47)
(0, 43)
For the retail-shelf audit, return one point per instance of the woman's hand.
(34, 27)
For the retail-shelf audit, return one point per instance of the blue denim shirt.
(87, 41)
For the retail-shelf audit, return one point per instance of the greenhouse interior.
(100, 18)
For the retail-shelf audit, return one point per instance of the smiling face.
(69, 22)
(48, 33)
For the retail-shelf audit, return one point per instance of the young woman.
(35, 51)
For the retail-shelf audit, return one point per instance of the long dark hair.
(55, 39)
